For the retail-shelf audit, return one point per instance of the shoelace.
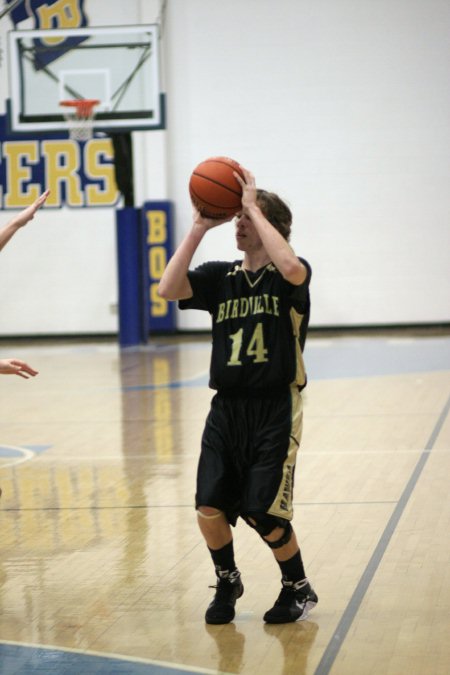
(224, 589)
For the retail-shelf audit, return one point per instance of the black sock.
(223, 559)
(292, 569)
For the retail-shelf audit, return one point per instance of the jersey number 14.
(255, 347)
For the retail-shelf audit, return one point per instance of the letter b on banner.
(144, 245)
(157, 220)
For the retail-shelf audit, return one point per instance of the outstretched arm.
(16, 367)
(174, 283)
(21, 219)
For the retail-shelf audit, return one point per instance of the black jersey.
(259, 324)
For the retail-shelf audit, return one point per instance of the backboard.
(117, 65)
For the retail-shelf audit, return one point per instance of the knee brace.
(264, 524)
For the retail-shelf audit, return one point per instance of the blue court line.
(16, 659)
(339, 635)
(11, 451)
(200, 381)
(351, 358)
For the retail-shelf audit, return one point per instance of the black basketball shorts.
(249, 448)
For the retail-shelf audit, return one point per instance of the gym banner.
(47, 15)
(79, 175)
(157, 234)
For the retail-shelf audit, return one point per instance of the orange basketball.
(214, 189)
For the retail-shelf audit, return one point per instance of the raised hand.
(28, 213)
(208, 223)
(248, 188)
(21, 219)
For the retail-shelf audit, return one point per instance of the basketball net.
(80, 114)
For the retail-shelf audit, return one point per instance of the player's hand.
(208, 223)
(248, 189)
(16, 367)
(27, 214)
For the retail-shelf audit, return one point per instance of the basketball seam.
(200, 175)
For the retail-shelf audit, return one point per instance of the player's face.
(247, 238)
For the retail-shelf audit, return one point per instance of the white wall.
(341, 106)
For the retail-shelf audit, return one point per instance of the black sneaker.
(221, 609)
(293, 603)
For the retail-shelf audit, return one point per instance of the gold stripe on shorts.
(282, 505)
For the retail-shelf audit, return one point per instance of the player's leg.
(216, 531)
(272, 474)
(215, 486)
(297, 597)
(214, 527)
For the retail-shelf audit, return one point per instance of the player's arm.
(21, 219)
(279, 250)
(174, 283)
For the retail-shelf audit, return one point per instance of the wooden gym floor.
(103, 570)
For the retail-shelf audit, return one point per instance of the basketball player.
(15, 366)
(259, 308)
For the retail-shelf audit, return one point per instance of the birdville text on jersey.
(258, 304)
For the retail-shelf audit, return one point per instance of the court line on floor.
(53, 657)
(339, 635)
(125, 507)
